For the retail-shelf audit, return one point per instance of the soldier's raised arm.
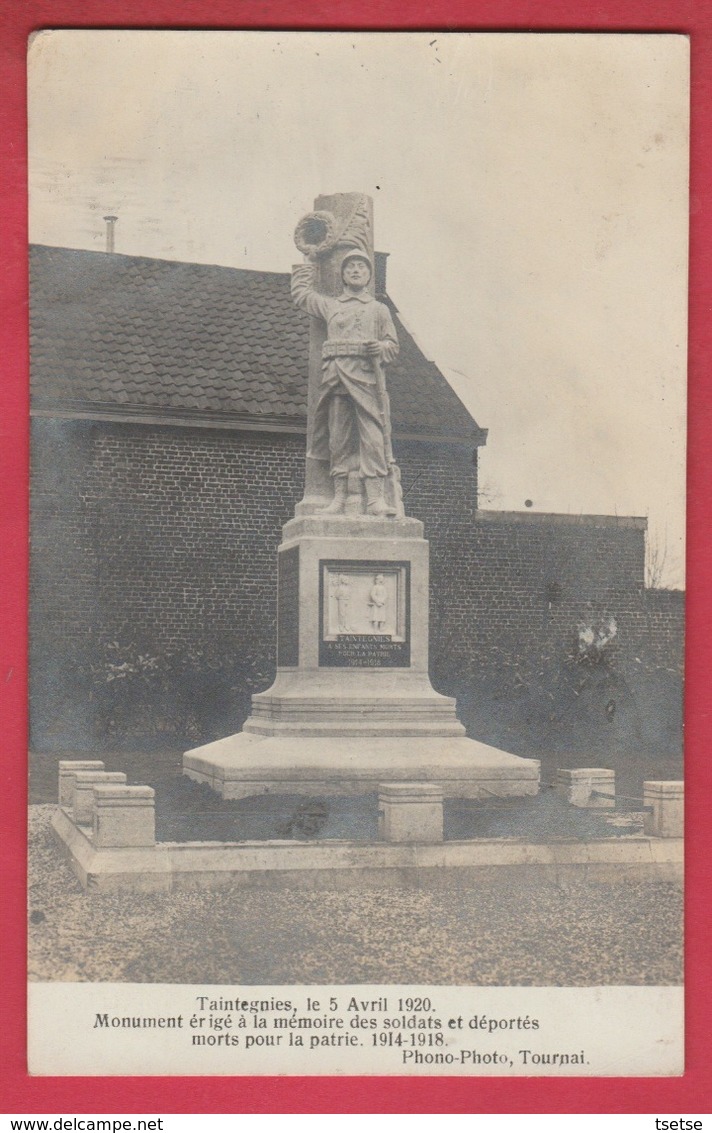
(304, 294)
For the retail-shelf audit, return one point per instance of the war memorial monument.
(352, 705)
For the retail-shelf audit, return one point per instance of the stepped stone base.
(248, 764)
(348, 702)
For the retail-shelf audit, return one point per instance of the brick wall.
(509, 594)
(160, 542)
(663, 626)
(163, 540)
(177, 528)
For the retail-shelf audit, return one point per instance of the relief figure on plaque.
(377, 604)
(342, 595)
(352, 414)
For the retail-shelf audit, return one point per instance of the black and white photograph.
(357, 586)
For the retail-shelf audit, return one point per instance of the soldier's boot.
(339, 501)
(375, 503)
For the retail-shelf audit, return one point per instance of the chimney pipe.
(381, 259)
(110, 225)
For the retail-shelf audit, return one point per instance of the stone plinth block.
(665, 820)
(587, 786)
(83, 794)
(410, 812)
(124, 816)
(68, 768)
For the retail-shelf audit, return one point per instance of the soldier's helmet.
(355, 254)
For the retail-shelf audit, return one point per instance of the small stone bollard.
(83, 798)
(586, 786)
(124, 816)
(667, 800)
(410, 812)
(68, 768)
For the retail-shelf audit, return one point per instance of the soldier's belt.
(342, 349)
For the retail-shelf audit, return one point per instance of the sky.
(531, 190)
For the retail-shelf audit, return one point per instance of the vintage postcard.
(358, 369)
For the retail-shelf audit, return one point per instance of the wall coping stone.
(559, 519)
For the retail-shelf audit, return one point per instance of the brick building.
(169, 415)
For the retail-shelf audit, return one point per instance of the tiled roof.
(127, 334)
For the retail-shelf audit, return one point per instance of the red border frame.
(689, 1094)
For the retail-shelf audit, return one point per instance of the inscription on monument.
(288, 607)
(364, 614)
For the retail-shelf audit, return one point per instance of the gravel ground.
(582, 933)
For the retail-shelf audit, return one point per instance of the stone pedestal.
(352, 704)
(124, 817)
(410, 812)
(593, 787)
(667, 800)
(68, 768)
(345, 666)
(83, 794)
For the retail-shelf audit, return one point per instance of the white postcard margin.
(167, 1029)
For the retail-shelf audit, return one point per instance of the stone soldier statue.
(342, 594)
(377, 603)
(352, 414)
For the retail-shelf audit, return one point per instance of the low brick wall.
(505, 584)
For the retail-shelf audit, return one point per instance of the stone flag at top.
(350, 465)
(352, 706)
